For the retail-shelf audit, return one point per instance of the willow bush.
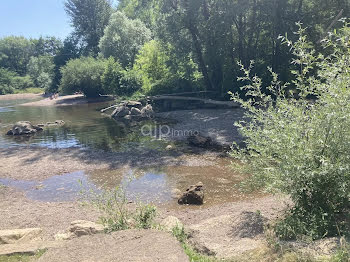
(298, 136)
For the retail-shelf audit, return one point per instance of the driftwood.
(205, 101)
(110, 107)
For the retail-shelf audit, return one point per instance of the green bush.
(11, 82)
(119, 81)
(85, 75)
(40, 70)
(299, 143)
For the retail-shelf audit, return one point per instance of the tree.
(297, 145)
(15, 52)
(89, 19)
(123, 38)
(72, 49)
(40, 70)
(46, 46)
(83, 75)
(119, 81)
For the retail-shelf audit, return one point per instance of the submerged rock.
(194, 195)
(200, 140)
(23, 128)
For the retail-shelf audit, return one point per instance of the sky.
(34, 18)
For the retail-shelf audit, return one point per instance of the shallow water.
(151, 185)
(84, 126)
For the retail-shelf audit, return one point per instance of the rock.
(59, 122)
(169, 147)
(227, 236)
(194, 195)
(27, 248)
(82, 227)
(12, 236)
(135, 111)
(127, 246)
(120, 111)
(171, 222)
(24, 128)
(199, 140)
(176, 193)
(147, 111)
(135, 104)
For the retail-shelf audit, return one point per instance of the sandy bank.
(20, 96)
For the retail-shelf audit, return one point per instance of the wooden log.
(205, 101)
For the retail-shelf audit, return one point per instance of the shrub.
(40, 70)
(123, 38)
(83, 74)
(119, 81)
(299, 144)
(11, 81)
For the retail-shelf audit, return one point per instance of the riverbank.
(20, 96)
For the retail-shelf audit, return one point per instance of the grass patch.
(22, 257)
(32, 90)
(115, 213)
(194, 256)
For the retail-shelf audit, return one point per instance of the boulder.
(23, 128)
(80, 228)
(121, 111)
(194, 195)
(171, 222)
(199, 140)
(135, 111)
(12, 236)
(147, 111)
(135, 104)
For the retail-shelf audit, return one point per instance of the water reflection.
(85, 127)
(153, 185)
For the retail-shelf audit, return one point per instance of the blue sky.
(33, 18)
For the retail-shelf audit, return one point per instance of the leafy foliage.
(298, 143)
(123, 38)
(119, 81)
(89, 19)
(40, 70)
(10, 82)
(83, 75)
(15, 52)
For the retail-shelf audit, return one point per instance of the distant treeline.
(164, 46)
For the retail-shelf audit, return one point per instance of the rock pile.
(133, 111)
(23, 128)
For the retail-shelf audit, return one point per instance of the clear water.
(84, 126)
